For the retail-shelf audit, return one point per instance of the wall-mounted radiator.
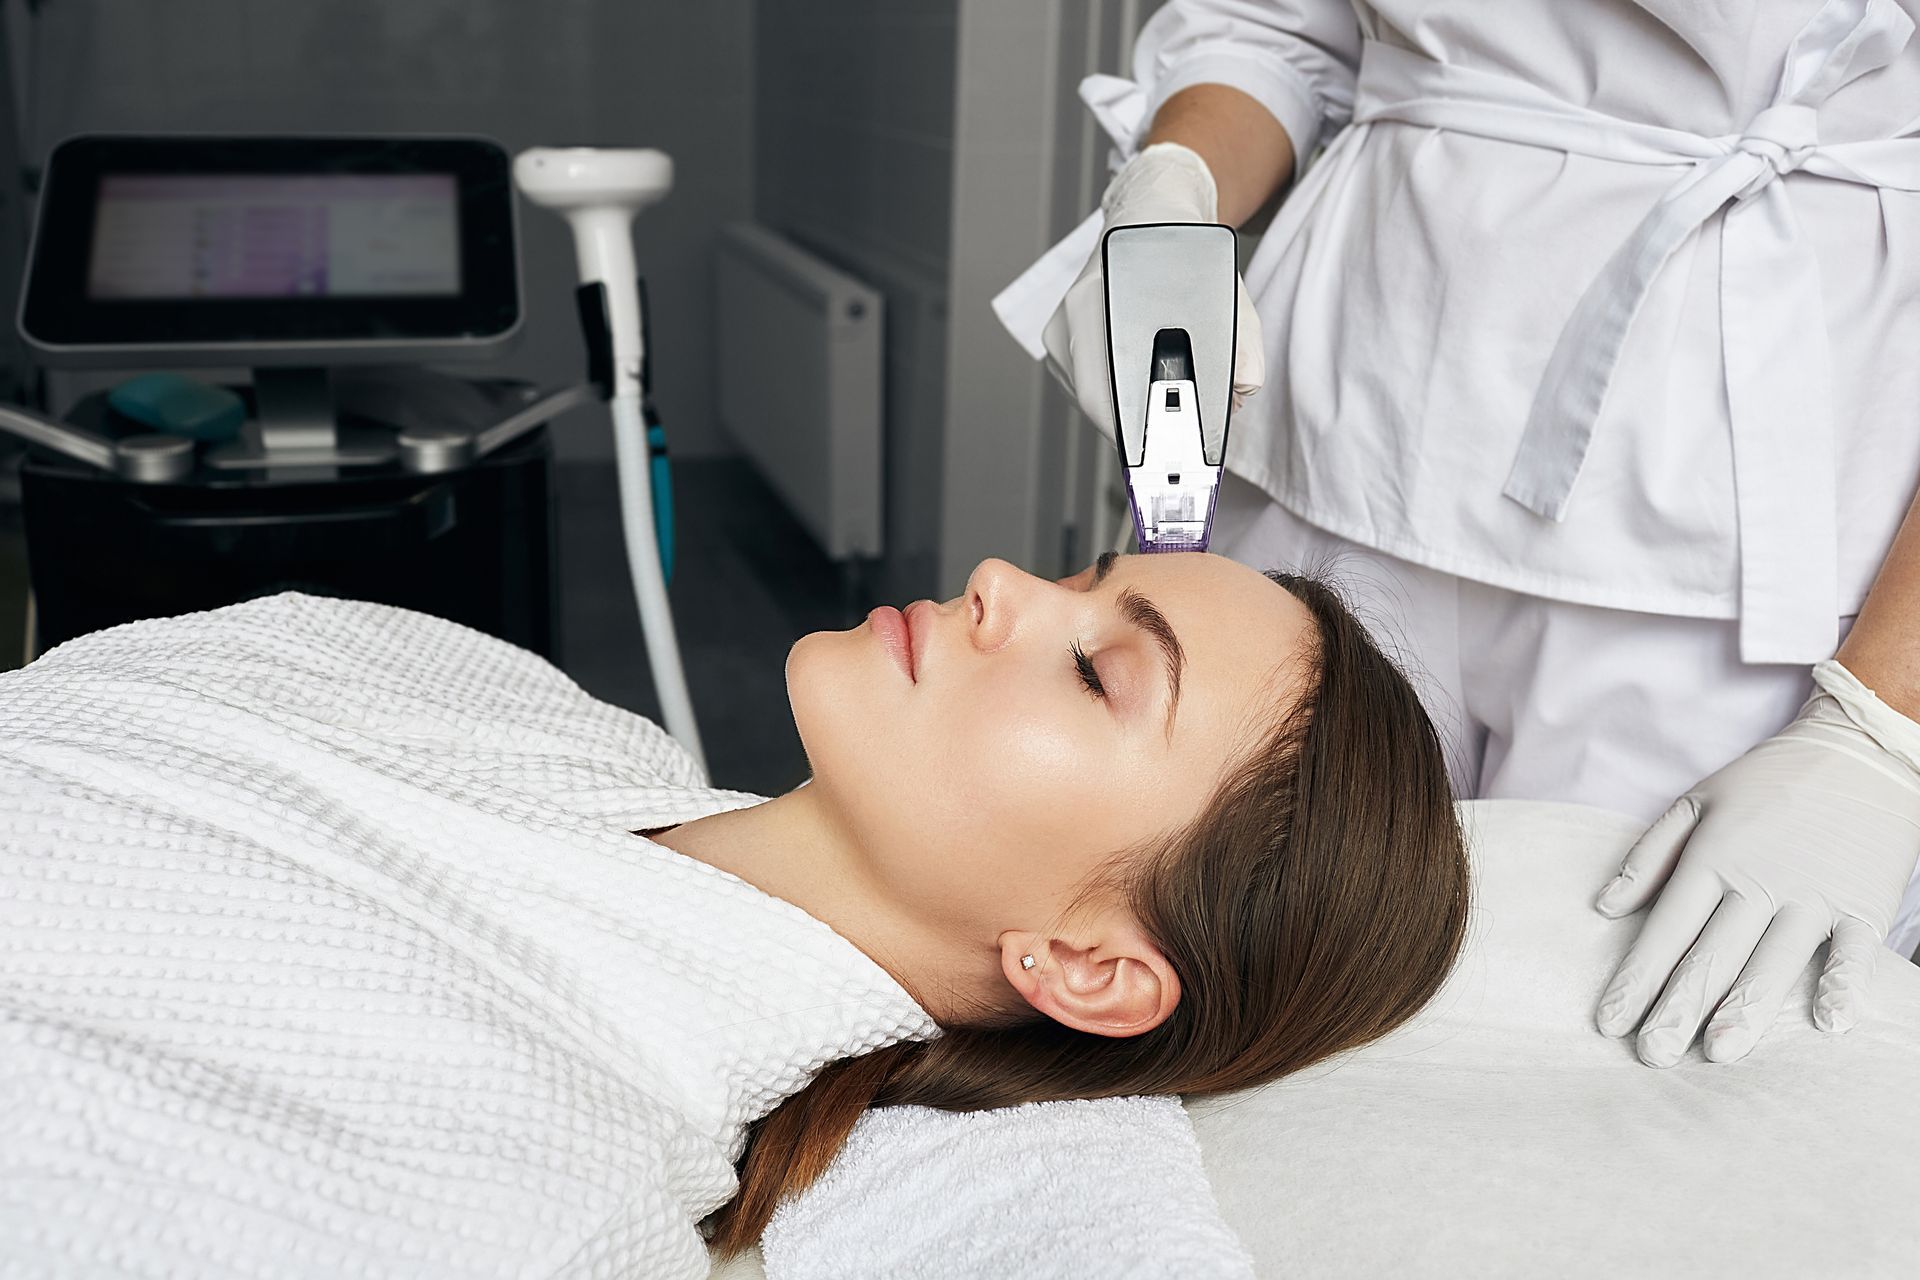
(799, 358)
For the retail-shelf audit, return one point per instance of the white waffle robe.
(325, 949)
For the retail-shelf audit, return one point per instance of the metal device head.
(1171, 292)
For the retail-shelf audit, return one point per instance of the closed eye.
(1139, 612)
(1088, 676)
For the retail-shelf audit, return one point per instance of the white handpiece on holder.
(599, 191)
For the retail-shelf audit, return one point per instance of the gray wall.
(829, 120)
(853, 158)
(672, 74)
(1030, 164)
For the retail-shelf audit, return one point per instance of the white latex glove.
(1165, 182)
(1811, 834)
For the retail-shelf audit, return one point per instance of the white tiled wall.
(672, 74)
(853, 135)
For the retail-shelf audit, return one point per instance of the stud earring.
(1026, 962)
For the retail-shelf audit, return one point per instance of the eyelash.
(1088, 676)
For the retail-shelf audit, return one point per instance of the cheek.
(989, 800)
(1019, 771)
(1054, 769)
(1019, 748)
(997, 785)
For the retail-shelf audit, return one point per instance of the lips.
(919, 616)
(895, 637)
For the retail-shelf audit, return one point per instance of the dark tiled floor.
(747, 583)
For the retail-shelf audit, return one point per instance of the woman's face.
(984, 766)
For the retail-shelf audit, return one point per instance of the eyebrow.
(1139, 611)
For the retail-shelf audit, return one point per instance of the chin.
(802, 675)
(830, 677)
(797, 658)
(861, 730)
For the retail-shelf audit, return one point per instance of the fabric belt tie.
(1773, 330)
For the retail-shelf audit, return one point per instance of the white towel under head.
(1110, 1188)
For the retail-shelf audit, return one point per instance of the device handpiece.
(1171, 293)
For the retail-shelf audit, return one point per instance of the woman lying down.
(340, 938)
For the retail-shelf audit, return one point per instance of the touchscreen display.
(275, 236)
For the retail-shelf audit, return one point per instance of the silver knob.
(432, 449)
(153, 458)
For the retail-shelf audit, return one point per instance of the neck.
(792, 848)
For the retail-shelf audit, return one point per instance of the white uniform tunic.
(1606, 302)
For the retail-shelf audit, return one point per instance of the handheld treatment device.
(1172, 294)
(599, 192)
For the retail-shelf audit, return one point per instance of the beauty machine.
(1172, 293)
(335, 270)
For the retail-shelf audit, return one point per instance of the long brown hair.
(1317, 903)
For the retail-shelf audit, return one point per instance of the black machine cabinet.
(474, 544)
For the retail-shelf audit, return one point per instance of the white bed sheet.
(1499, 1134)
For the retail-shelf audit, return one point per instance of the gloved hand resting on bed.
(1811, 834)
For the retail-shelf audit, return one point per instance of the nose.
(996, 593)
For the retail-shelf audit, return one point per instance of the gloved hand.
(1812, 833)
(1165, 182)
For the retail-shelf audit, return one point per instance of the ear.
(1109, 980)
